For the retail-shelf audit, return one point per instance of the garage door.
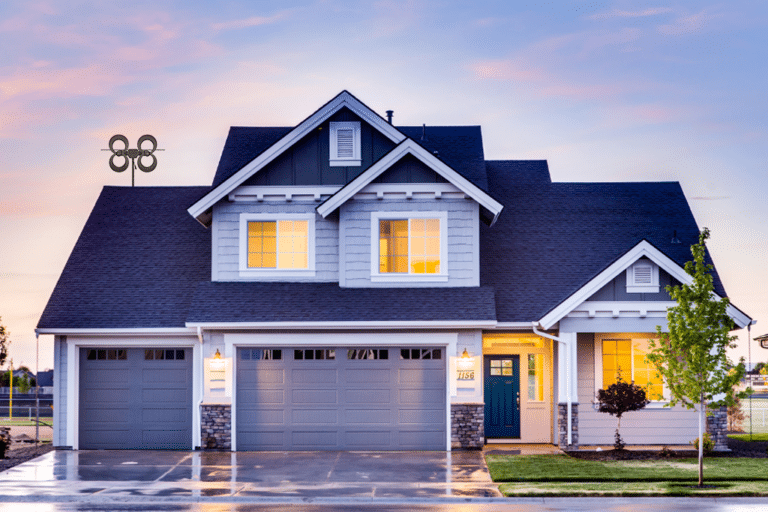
(135, 398)
(341, 399)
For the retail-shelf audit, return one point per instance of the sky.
(605, 91)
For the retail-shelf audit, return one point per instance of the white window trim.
(378, 277)
(335, 159)
(276, 272)
(599, 337)
(652, 287)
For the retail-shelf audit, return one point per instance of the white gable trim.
(409, 146)
(644, 248)
(344, 99)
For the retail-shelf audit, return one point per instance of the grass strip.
(562, 468)
(745, 437)
(633, 489)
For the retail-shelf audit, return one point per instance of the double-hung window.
(278, 245)
(624, 356)
(408, 246)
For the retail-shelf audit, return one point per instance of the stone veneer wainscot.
(216, 422)
(468, 426)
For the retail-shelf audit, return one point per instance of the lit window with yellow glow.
(282, 244)
(626, 358)
(409, 246)
(536, 377)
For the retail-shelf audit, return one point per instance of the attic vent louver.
(643, 277)
(346, 145)
(643, 274)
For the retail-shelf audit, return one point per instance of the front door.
(502, 396)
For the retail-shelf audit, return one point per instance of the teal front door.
(502, 396)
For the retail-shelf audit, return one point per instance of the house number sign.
(466, 374)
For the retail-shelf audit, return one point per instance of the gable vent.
(643, 274)
(346, 143)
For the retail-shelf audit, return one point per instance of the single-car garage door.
(135, 398)
(341, 399)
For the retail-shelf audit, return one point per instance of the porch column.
(567, 391)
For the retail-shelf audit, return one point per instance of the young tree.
(691, 357)
(621, 397)
(4, 342)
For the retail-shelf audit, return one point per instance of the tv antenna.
(135, 155)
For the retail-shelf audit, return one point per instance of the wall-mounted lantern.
(218, 379)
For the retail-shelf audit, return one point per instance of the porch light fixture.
(465, 354)
(465, 362)
(217, 355)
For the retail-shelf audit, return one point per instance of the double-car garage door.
(341, 399)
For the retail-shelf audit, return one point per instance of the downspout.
(569, 400)
(202, 383)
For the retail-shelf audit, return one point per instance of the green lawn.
(562, 468)
(22, 422)
(745, 437)
(633, 489)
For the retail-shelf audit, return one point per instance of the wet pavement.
(94, 476)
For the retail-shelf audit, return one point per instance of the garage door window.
(312, 354)
(259, 354)
(367, 353)
(421, 353)
(112, 354)
(163, 354)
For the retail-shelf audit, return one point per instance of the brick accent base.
(468, 426)
(562, 426)
(216, 423)
(717, 426)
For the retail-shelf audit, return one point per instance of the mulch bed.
(754, 449)
(19, 454)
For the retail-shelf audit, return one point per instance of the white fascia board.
(344, 99)
(409, 146)
(417, 324)
(513, 326)
(160, 331)
(644, 248)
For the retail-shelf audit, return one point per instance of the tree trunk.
(701, 441)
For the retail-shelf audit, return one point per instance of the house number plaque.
(466, 374)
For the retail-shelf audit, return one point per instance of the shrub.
(735, 416)
(709, 444)
(619, 398)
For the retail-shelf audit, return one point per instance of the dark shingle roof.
(552, 238)
(327, 302)
(243, 144)
(135, 264)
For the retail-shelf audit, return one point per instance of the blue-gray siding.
(462, 229)
(617, 289)
(60, 391)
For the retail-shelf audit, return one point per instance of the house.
(347, 284)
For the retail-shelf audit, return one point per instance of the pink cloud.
(617, 13)
(688, 24)
(253, 21)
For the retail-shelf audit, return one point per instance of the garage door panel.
(314, 396)
(163, 395)
(368, 416)
(368, 439)
(106, 396)
(113, 416)
(176, 439)
(366, 402)
(368, 396)
(164, 375)
(368, 375)
(109, 377)
(422, 396)
(313, 416)
(261, 417)
(164, 415)
(315, 376)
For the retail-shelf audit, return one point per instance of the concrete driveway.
(103, 476)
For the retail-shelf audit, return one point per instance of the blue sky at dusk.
(605, 91)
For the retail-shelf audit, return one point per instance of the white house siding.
(469, 391)
(59, 391)
(226, 241)
(652, 426)
(462, 229)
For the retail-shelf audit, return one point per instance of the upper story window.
(276, 245)
(408, 246)
(643, 277)
(345, 143)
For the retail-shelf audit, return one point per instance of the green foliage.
(735, 415)
(23, 384)
(691, 357)
(4, 342)
(764, 370)
(709, 444)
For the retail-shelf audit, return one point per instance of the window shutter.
(345, 145)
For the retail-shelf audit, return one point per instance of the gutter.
(568, 392)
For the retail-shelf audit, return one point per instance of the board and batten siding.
(462, 231)
(226, 241)
(60, 391)
(650, 426)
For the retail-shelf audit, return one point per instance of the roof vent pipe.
(389, 116)
(424, 132)
(675, 240)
